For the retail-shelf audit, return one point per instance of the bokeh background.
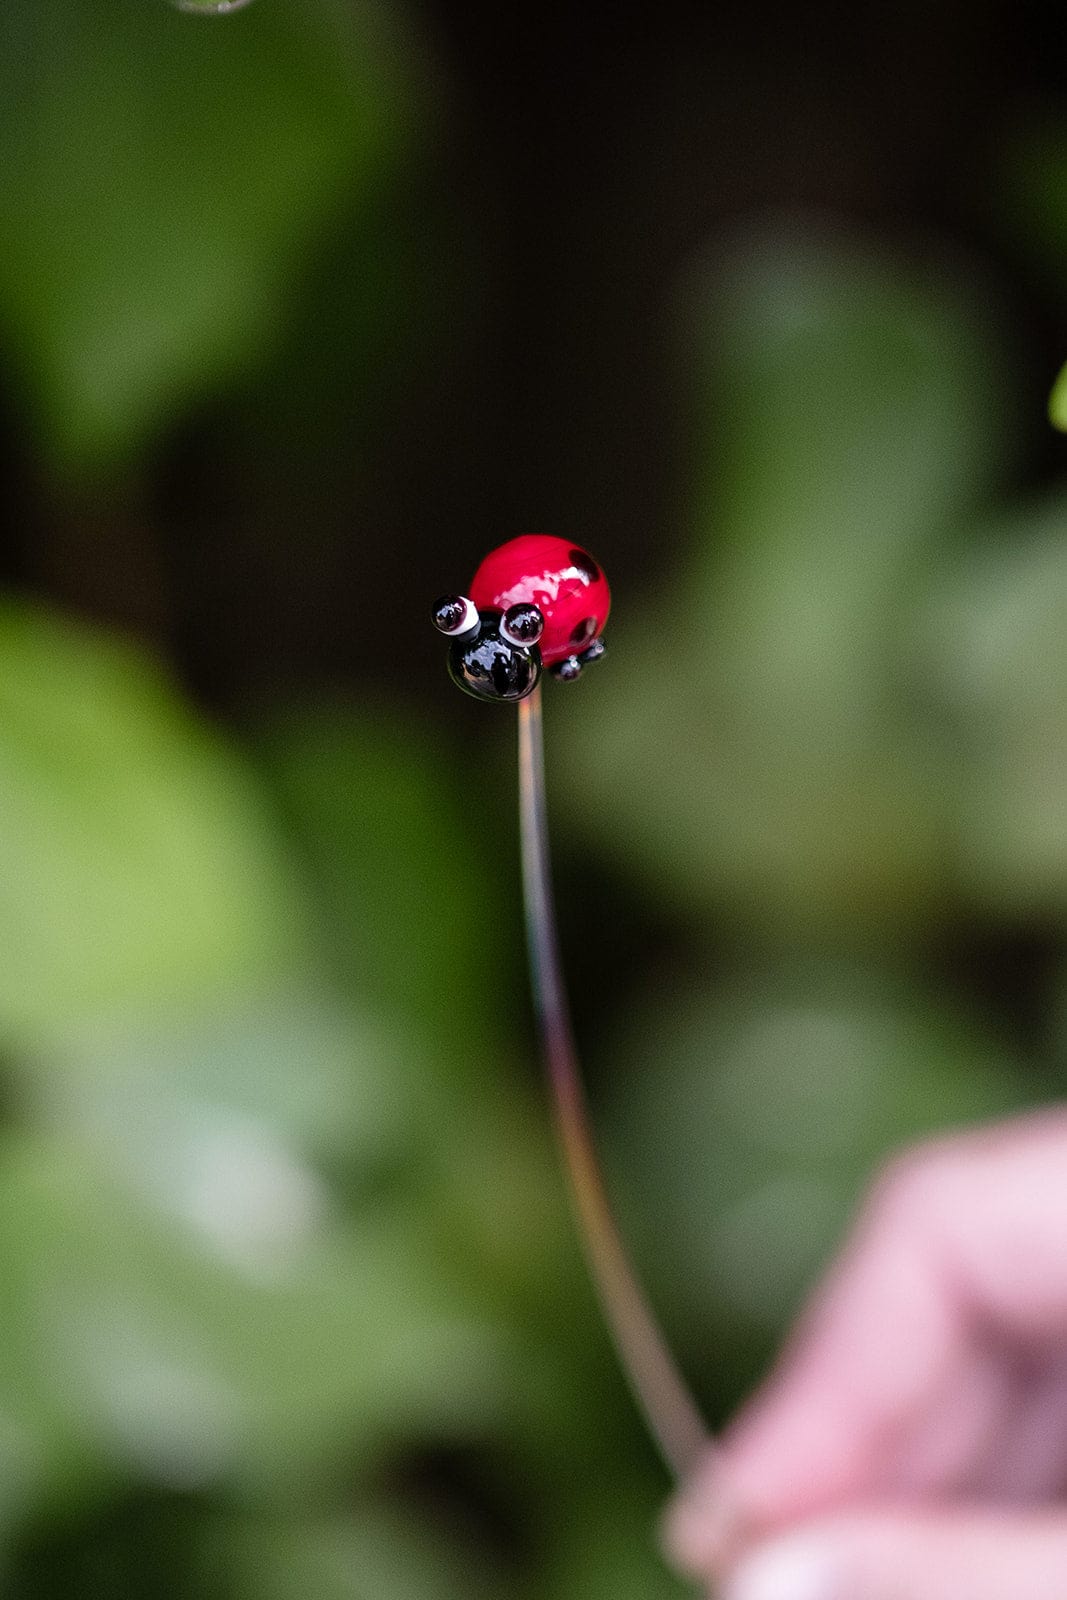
(302, 309)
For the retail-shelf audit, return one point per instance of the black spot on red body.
(585, 565)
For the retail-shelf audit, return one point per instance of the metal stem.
(657, 1385)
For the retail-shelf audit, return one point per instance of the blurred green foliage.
(1057, 402)
(290, 1300)
(161, 182)
(854, 426)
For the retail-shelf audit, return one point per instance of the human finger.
(901, 1378)
(900, 1556)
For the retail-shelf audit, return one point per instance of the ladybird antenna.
(657, 1385)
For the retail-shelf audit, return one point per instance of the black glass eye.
(454, 614)
(522, 625)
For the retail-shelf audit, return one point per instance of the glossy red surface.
(555, 575)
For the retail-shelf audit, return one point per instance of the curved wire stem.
(658, 1387)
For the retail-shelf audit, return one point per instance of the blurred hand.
(912, 1442)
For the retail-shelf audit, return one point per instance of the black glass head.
(490, 667)
(491, 656)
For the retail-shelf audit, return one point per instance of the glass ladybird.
(534, 601)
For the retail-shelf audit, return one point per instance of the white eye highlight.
(454, 614)
(522, 625)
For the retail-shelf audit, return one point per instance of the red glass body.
(558, 577)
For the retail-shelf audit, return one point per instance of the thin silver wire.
(658, 1387)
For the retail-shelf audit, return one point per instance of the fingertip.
(705, 1525)
(979, 1554)
(797, 1566)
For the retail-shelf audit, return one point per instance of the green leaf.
(992, 642)
(1057, 402)
(425, 926)
(133, 1343)
(137, 868)
(161, 184)
(752, 741)
(204, 1109)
